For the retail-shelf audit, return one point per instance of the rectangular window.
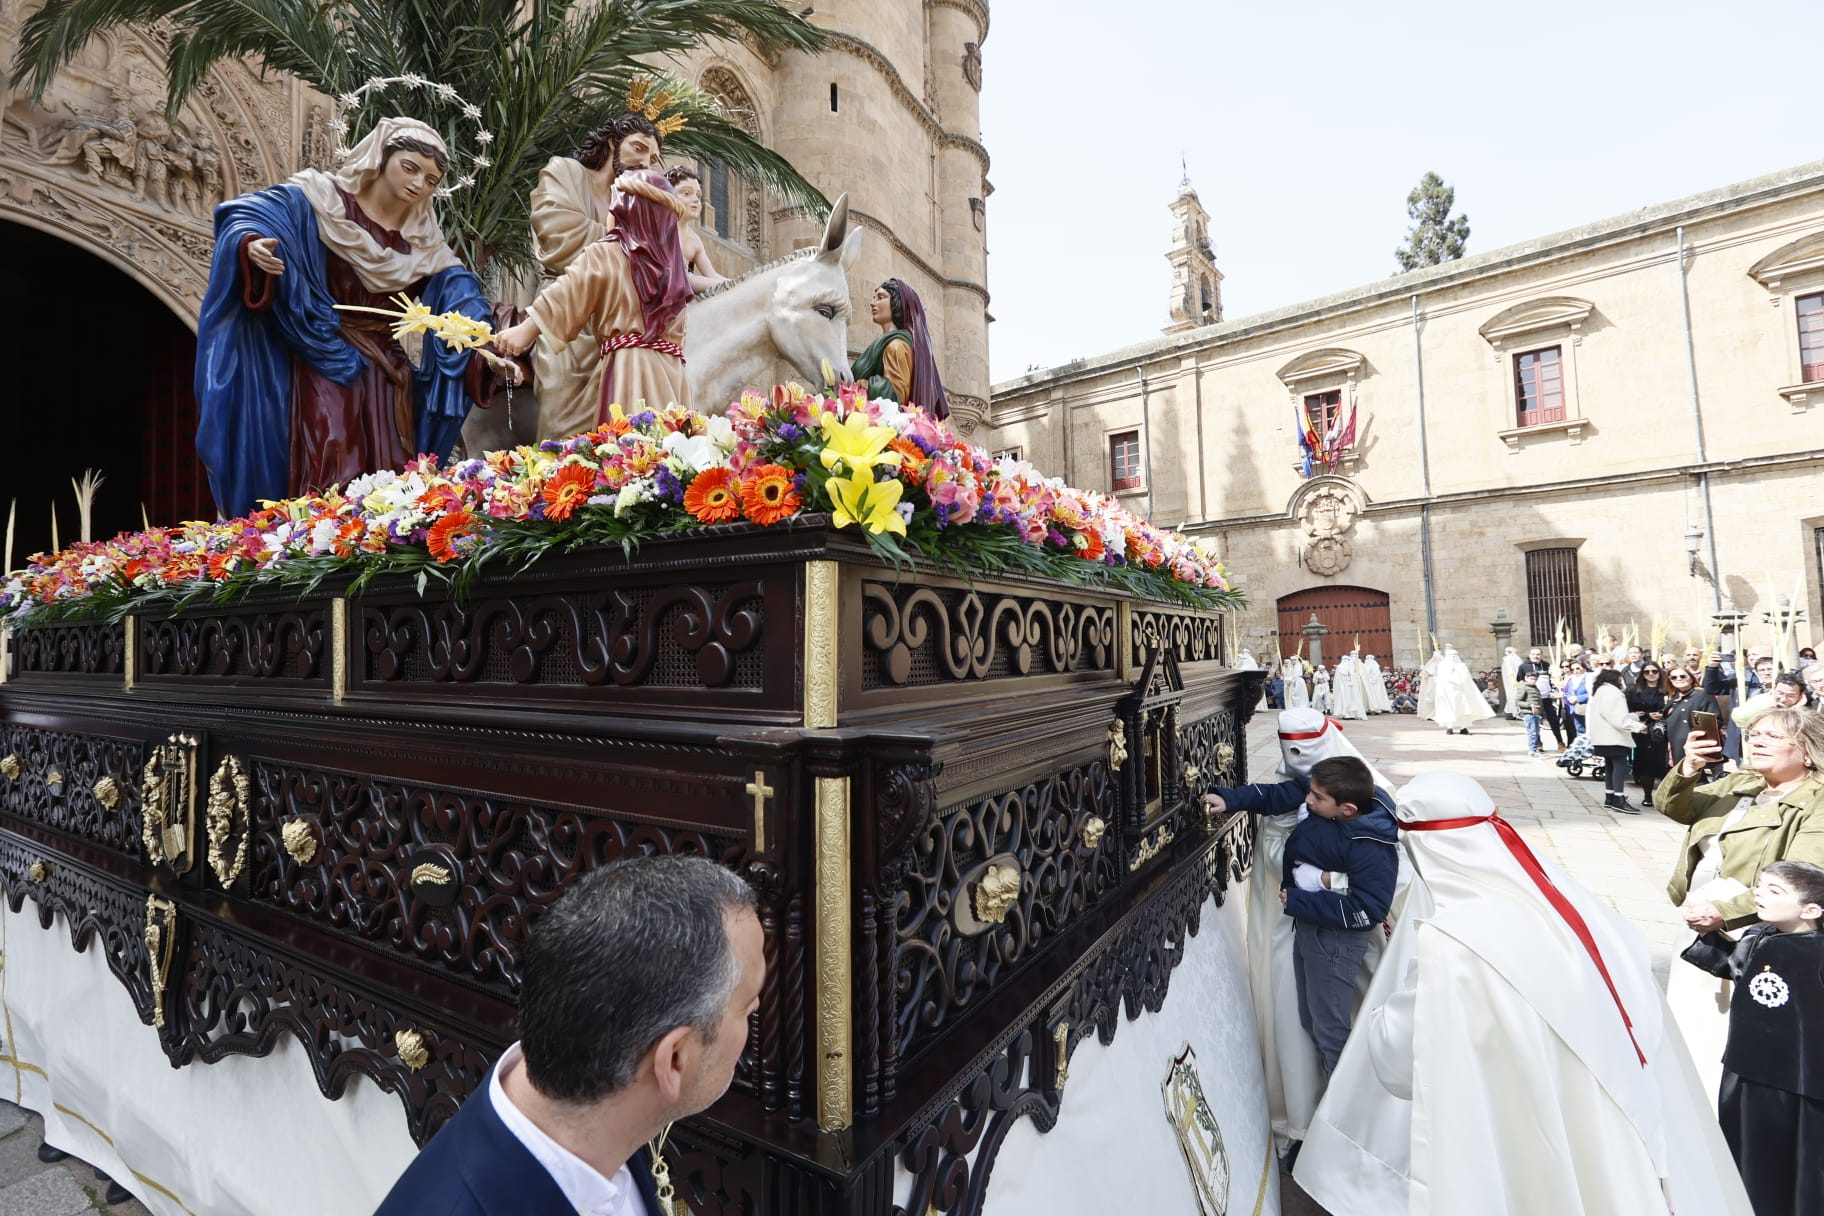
(1322, 409)
(1007, 454)
(1553, 594)
(1539, 386)
(718, 199)
(1124, 460)
(1810, 310)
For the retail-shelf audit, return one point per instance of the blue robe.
(244, 358)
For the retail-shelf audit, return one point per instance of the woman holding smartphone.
(1773, 810)
(1683, 697)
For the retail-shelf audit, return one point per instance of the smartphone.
(1704, 723)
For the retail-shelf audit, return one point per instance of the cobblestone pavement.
(1626, 859)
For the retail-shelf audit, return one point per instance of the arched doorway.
(99, 377)
(1348, 612)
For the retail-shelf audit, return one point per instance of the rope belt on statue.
(1555, 897)
(635, 338)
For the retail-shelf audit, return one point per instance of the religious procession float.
(281, 793)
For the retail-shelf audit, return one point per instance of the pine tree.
(1434, 236)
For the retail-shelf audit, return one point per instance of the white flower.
(632, 494)
(337, 126)
(905, 511)
(446, 92)
(470, 110)
(694, 452)
(722, 431)
(484, 138)
(411, 80)
(889, 413)
(323, 535)
(482, 162)
(465, 181)
(350, 99)
(367, 483)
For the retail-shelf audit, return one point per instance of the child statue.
(688, 186)
(294, 396)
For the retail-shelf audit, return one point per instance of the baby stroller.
(1581, 754)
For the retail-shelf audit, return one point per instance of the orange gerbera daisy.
(770, 495)
(442, 538)
(567, 491)
(1092, 548)
(712, 497)
(913, 458)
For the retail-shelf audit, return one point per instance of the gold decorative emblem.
(54, 779)
(10, 768)
(1225, 757)
(1093, 827)
(167, 799)
(429, 874)
(226, 814)
(299, 840)
(107, 792)
(1192, 774)
(1060, 1042)
(1199, 1138)
(1117, 746)
(39, 871)
(1151, 847)
(410, 1046)
(161, 945)
(995, 893)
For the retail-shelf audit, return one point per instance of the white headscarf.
(381, 270)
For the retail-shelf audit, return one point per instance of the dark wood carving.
(56, 784)
(1189, 636)
(267, 646)
(938, 970)
(92, 909)
(918, 635)
(71, 650)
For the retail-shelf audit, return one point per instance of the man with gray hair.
(634, 996)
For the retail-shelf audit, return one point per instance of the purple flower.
(551, 445)
(942, 511)
(791, 432)
(667, 485)
(1057, 538)
(644, 418)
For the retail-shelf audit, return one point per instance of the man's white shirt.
(582, 1184)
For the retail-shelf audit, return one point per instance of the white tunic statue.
(1428, 684)
(1320, 689)
(1457, 702)
(1510, 681)
(1514, 1055)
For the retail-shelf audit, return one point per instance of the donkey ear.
(836, 231)
(852, 246)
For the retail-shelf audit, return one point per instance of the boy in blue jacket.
(1340, 868)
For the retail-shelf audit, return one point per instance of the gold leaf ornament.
(10, 768)
(995, 893)
(299, 841)
(107, 792)
(411, 1048)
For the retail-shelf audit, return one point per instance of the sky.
(1304, 126)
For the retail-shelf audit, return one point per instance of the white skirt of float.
(1700, 1006)
(242, 1135)
(1114, 1148)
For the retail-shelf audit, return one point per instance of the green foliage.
(544, 72)
(1435, 236)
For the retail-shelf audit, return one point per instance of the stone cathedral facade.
(102, 196)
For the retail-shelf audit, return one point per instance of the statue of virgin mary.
(294, 396)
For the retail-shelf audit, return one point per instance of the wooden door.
(1348, 612)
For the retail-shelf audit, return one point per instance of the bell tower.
(1196, 283)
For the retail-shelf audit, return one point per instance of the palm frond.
(544, 72)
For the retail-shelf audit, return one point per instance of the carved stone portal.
(98, 163)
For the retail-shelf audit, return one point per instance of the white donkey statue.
(794, 311)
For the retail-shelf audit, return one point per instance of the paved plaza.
(1624, 858)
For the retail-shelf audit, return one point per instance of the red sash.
(1524, 855)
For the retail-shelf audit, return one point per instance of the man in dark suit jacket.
(635, 991)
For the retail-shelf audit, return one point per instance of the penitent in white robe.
(1510, 682)
(1374, 682)
(1346, 691)
(1297, 695)
(1457, 703)
(1490, 1070)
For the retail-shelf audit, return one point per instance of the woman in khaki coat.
(1771, 811)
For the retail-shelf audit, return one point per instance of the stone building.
(105, 223)
(1581, 427)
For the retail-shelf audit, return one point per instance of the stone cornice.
(1657, 220)
(975, 8)
(869, 54)
(905, 251)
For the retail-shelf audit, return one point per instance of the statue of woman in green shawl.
(899, 364)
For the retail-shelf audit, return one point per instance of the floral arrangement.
(902, 478)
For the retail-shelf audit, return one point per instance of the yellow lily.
(856, 443)
(861, 500)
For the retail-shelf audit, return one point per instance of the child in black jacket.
(1772, 1098)
(1340, 868)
